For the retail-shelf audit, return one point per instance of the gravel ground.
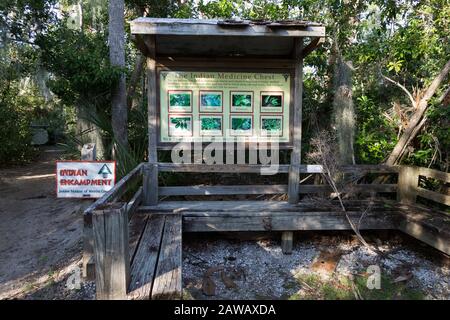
(259, 270)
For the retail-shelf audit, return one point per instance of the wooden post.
(151, 173)
(88, 248)
(294, 169)
(88, 153)
(408, 179)
(287, 240)
(111, 251)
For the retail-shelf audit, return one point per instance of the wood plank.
(223, 190)
(111, 248)
(281, 221)
(256, 168)
(204, 206)
(426, 225)
(216, 62)
(136, 229)
(118, 190)
(408, 179)
(99, 251)
(88, 248)
(266, 189)
(134, 203)
(223, 168)
(294, 169)
(145, 259)
(151, 170)
(211, 207)
(287, 241)
(315, 42)
(435, 174)
(432, 195)
(112, 195)
(167, 283)
(206, 46)
(209, 27)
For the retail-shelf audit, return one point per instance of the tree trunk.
(415, 122)
(88, 130)
(343, 111)
(134, 79)
(116, 39)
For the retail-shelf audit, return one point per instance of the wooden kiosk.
(234, 81)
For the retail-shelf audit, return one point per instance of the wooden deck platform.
(430, 226)
(136, 249)
(155, 252)
(156, 231)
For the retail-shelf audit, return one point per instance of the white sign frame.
(83, 179)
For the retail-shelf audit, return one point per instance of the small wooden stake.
(287, 239)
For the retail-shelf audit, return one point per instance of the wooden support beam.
(150, 184)
(315, 42)
(151, 173)
(294, 169)
(408, 179)
(111, 252)
(287, 239)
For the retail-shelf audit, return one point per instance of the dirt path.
(40, 236)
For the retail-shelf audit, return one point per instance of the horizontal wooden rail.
(408, 185)
(435, 174)
(266, 189)
(134, 202)
(118, 190)
(256, 168)
(434, 196)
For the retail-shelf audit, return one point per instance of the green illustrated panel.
(203, 106)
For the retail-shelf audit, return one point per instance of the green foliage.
(79, 62)
(342, 289)
(15, 133)
(407, 41)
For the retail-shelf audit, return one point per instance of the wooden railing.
(106, 233)
(107, 199)
(409, 189)
(269, 189)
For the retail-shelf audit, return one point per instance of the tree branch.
(411, 99)
(415, 122)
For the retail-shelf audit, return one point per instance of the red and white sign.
(84, 179)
